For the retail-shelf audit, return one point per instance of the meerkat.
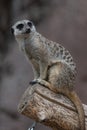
(52, 64)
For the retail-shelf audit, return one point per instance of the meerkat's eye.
(20, 26)
(29, 24)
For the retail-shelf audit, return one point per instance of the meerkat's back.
(59, 53)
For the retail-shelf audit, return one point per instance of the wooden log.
(51, 109)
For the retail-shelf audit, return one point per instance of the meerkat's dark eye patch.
(29, 24)
(20, 26)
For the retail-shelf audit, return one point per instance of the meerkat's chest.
(34, 50)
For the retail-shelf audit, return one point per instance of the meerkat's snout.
(27, 30)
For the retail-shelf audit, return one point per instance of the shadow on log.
(51, 109)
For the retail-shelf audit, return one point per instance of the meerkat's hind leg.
(52, 73)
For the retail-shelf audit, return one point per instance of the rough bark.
(53, 110)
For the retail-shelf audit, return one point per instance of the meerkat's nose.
(12, 30)
(28, 30)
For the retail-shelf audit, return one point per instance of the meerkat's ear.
(12, 30)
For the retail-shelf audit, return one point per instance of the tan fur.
(52, 64)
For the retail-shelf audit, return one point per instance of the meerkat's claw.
(33, 82)
(42, 82)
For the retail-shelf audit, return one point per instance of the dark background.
(63, 21)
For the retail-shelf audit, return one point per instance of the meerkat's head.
(23, 29)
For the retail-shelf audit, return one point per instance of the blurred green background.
(63, 21)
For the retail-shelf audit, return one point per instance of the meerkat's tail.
(77, 102)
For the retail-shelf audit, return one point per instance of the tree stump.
(51, 109)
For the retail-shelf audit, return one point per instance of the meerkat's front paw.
(33, 82)
(42, 82)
